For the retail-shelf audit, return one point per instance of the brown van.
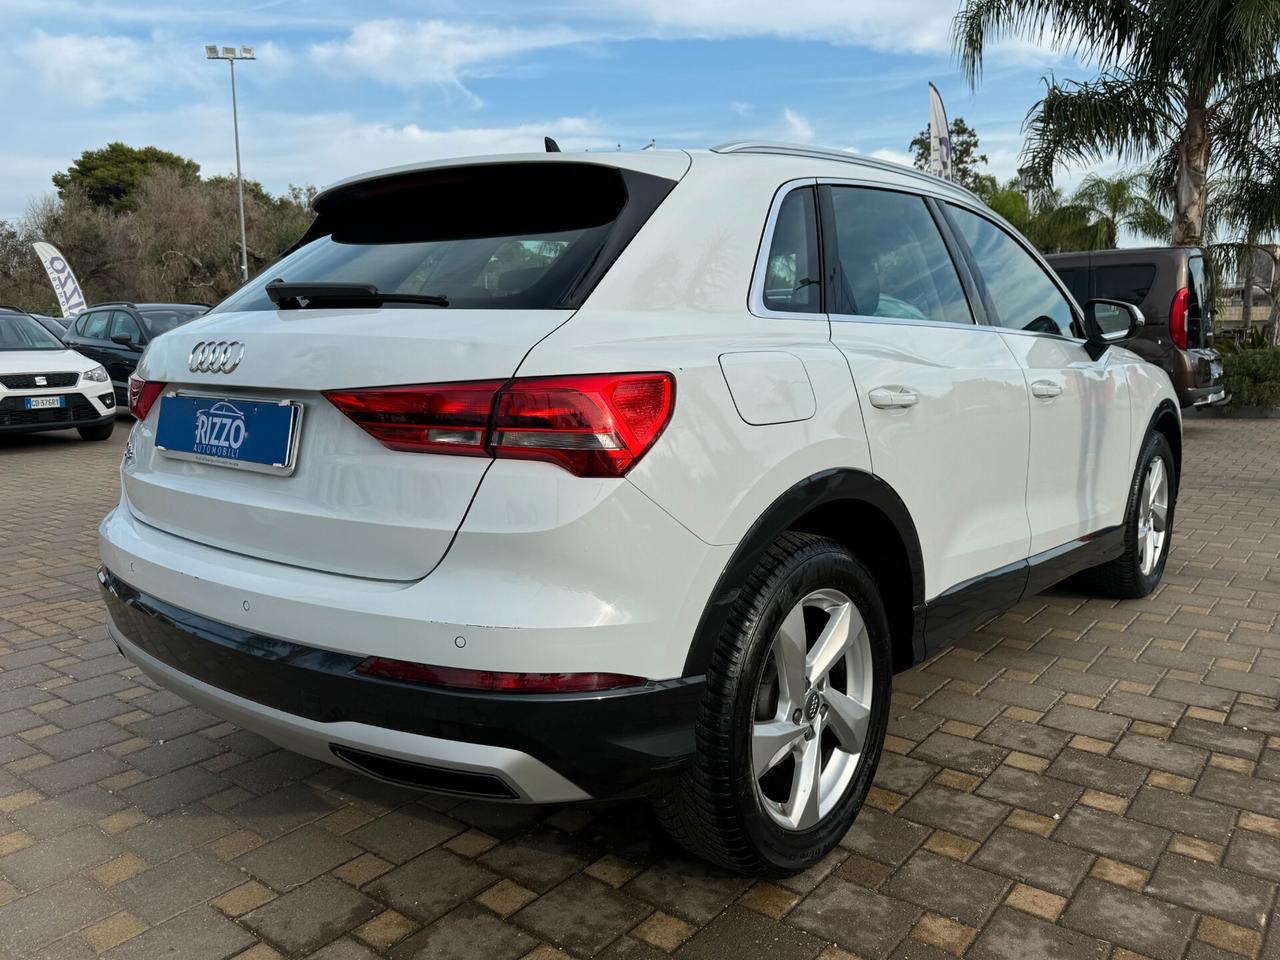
(1173, 287)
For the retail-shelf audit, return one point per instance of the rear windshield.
(162, 321)
(522, 236)
(20, 332)
(1130, 282)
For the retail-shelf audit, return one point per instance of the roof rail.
(826, 153)
(10, 306)
(112, 303)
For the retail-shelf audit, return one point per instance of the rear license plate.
(45, 403)
(257, 435)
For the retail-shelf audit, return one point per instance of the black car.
(55, 325)
(115, 334)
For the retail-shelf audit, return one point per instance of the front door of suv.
(944, 401)
(1078, 478)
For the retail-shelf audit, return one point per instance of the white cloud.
(741, 109)
(799, 129)
(893, 156)
(404, 54)
(97, 69)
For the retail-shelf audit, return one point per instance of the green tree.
(110, 177)
(965, 158)
(1111, 204)
(1189, 81)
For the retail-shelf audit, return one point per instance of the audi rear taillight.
(595, 425)
(494, 681)
(1178, 318)
(142, 395)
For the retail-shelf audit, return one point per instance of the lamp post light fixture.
(231, 55)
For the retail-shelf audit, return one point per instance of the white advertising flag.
(939, 136)
(65, 284)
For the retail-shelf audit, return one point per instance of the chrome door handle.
(893, 398)
(1046, 389)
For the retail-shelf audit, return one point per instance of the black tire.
(1123, 576)
(714, 809)
(99, 431)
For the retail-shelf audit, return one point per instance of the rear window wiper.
(306, 293)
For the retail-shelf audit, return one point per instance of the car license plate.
(45, 403)
(1215, 369)
(256, 435)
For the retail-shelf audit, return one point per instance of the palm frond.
(1132, 117)
(1095, 31)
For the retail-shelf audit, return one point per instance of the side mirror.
(1109, 321)
(126, 341)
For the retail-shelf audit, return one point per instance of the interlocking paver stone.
(866, 923)
(948, 887)
(1101, 773)
(177, 885)
(1113, 836)
(961, 813)
(1042, 863)
(312, 915)
(1208, 888)
(1183, 814)
(582, 915)
(1014, 935)
(1043, 795)
(1130, 919)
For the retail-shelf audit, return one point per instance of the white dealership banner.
(64, 281)
(939, 136)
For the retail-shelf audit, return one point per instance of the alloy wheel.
(812, 709)
(1153, 516)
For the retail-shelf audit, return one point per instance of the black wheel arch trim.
(1166, 408)
(828, 486)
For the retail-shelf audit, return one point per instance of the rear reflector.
(596, 425)
(1178, 318)
(142, 395)
(494, 681)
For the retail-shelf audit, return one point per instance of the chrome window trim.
(755, 298)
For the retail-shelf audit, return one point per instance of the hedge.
(1252, 377)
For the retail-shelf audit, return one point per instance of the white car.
(46, 386)
(547, 478)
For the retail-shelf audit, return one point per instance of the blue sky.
(340, 87)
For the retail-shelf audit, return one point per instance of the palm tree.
(1108, 205)
(1247, 206)
(1189, 81)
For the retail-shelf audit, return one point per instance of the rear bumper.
(1197, 377)
(1205, 396)
(543, 749)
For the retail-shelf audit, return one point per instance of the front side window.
(124, 324)
(1021, 292)
(793, 272)
(893, 261)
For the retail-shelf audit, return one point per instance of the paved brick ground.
(1081, 779)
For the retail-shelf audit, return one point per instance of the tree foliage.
(177, 238)
(110, 177)
(1190, 84)
(965, 158)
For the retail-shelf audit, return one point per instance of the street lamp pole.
(231, 55)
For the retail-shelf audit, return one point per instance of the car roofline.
(782, 149)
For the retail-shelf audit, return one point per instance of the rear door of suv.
(943, 399)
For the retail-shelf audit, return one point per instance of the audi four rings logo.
(215, 356)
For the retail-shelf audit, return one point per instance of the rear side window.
(1130, 282)
(793, 272)
(94, 327)
(893, 261)
(522, 236)
(1023, 295)
(162, 321)
(1077, 281)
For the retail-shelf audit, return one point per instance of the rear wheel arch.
(862, 513)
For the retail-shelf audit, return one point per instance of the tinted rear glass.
(162, 321)
(1077, 281)
(525, 236)
(1130, 282)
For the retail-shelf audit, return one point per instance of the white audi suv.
(548, 478)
